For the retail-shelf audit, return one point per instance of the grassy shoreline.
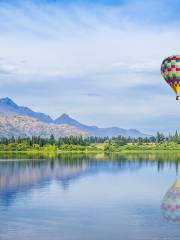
(94, 151)
(160, 156)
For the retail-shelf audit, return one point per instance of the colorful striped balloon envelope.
(170, 70)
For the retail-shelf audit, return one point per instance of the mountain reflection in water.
(19, 175)
(78, 196)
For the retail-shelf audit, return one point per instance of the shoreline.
(107, 152)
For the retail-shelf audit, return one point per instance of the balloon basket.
(177, 97)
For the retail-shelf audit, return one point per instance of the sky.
(98, 61)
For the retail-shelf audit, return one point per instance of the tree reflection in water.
(23, 172)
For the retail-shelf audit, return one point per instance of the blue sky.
(98, 61)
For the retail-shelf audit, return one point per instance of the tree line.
(79, 140)
(37, 140)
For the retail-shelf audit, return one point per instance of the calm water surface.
(88, 197)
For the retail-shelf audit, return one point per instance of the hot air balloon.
(170, 70)
(171, 203)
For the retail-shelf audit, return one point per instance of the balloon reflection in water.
(171, 203)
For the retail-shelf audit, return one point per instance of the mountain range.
(21, 121)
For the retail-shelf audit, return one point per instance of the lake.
(85, 197)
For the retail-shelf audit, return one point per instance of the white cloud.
(74, 42)
(107, 52)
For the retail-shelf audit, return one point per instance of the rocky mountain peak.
(9, 109)
(8, 102)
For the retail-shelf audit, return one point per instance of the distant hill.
(24, 126)
(10, 109)
(100, 132)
